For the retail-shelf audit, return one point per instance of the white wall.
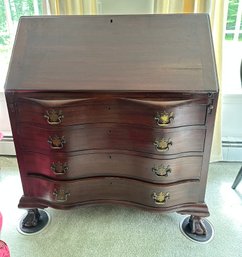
(232, 101)
(4, 120)
(232, 116)
(6, 145)
(232, 127)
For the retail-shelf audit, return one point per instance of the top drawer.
(70, 109)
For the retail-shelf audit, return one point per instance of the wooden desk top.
(118, 53)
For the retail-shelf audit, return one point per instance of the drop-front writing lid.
(118, 53)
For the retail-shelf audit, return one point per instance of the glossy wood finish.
(112, 163)
(112, 136)
(187, 110)
(113, 112)
(70, 193)
(132, 53)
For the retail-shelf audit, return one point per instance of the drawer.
(112, 136)
(68, 193)
(61, 166)
(147, 112)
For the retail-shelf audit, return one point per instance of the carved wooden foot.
(197, 226)
(34, 221)
(197, 229)
(32, 218)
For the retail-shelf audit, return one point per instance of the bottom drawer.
(69, 193)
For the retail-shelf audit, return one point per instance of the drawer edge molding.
(163, 102)
(52, 103)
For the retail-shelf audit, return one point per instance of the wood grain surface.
(131, 53)
(108, 82)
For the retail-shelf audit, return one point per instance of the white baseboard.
(7, 146)
(232, 150)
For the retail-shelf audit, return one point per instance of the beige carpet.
(115, 231)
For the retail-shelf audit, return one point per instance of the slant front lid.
(123, 53)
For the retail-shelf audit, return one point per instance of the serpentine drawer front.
(115, 112)
(156, 169)
(69, 193)
(113, 136)
(154, 112)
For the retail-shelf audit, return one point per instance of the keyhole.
(111, 21)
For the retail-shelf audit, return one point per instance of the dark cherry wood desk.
(113, 109)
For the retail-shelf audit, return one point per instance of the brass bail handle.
(161, 198)
(162, 145)
(54, 117)
(161, 171)
(59, 168)
(56, 142)
(61, 195)
(164, 118)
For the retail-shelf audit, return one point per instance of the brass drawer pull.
(163, 144)
(56, 142)
(161, 170)
(164, 118)
(59, 168)
(54, 117)
(61, 195)
(161, 198)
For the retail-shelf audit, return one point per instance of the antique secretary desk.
(113, 109)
